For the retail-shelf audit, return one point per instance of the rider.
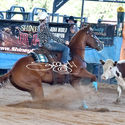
(51, 42)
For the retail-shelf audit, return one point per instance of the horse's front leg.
(119, 92)
(75, 82)
(83, 73)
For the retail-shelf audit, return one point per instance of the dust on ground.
(62, 105)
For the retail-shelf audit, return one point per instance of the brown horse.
(28, 76)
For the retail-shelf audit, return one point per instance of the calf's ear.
(102, 62)
(115, 63)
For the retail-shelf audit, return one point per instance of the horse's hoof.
(117, 101)
(1, 85)
(93, 79)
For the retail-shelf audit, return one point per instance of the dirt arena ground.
(62, 106)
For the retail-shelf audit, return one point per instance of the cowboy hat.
(42, 15)
(71, 18)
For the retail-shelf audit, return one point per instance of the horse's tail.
(5, 77)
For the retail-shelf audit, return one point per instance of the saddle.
(43, 55)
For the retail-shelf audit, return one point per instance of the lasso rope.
(55, 66)
(37, 64)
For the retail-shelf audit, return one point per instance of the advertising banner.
(104, 32)
(21, 36)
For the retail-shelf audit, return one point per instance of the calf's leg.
(119, 92)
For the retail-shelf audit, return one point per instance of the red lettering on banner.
(35, 40)
(23, 38)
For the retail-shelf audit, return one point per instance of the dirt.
(62, 105)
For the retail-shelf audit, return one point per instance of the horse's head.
(91, 39)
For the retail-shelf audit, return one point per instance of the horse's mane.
(77, 36)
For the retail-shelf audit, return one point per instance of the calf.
(115, 69)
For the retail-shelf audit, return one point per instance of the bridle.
(92, 34)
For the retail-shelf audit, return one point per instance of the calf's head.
(108, 69)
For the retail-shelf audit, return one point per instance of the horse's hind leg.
(37, 91)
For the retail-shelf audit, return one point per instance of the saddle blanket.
(39, 57)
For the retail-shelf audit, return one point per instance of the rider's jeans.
(54, 46)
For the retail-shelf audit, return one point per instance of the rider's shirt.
(44, 34)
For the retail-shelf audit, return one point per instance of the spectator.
(30, 38)
(71, 30)
(17, 31)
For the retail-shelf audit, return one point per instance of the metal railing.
(29, 16)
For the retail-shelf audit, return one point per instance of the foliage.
(92, 10)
